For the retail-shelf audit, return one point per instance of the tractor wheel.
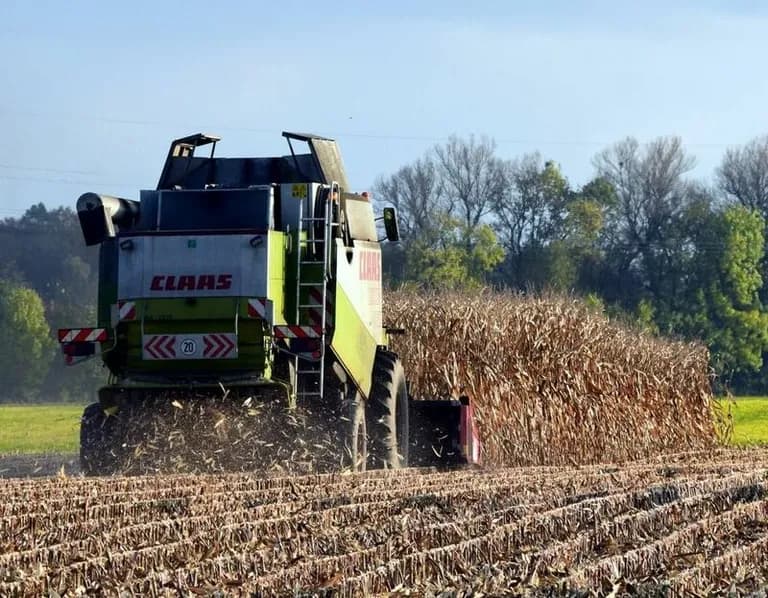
(96, 439)
(354, 432)
(388, 413)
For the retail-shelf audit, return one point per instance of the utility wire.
(351, 134)
(62, 181)
(37, 169)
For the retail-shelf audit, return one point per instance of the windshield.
(210, 209)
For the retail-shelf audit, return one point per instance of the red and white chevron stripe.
(126, 310)
(315, 313)
(159, 346)
(298, 331)
(211, 345)
(218, 346)
(79, 335)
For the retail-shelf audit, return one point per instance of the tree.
(743, 175)
(48, 255)
(44, 251)
(539, 220)
(722, 304)
(27, 348)
(473, 179)
(651, 196)
(440, 258)
(743, 178)
(416, 191)
(446, 193)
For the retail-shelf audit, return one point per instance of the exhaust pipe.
(99, 214)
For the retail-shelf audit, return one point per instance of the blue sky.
(93, 92)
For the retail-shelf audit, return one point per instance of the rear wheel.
(354, 432)
(97, 431)
(388, 413)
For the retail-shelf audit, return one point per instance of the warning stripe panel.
(126, 310)
(211, 345)
(83, 335)
(315, 314)
(298, 331)
(260, 307)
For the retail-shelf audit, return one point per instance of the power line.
(62, 181)
(358, 135)
(37, 169)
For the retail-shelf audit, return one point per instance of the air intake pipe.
(99, 214)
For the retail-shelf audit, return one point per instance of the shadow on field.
(39, 465)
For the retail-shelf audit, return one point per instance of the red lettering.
(370, 266)
(206, 282)
(224, 282)
(186, 283)
(191, 282)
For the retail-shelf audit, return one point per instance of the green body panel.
(352, 343)
(276, 291)
(179, 316)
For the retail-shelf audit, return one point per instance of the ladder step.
(313, 393)
(313, 219)
(310, 284)
(312, 262)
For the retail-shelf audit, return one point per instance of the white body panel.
(189, 265)
(361, 281)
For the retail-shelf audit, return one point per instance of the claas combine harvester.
(251, 284)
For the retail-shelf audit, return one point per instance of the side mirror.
(390, 224)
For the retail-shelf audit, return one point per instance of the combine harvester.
(256, 281)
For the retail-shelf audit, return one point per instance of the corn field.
(692, 522)
(554, 382)
(601, 476)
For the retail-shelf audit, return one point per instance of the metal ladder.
(310, 368)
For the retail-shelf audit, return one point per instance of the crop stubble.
(695, 521)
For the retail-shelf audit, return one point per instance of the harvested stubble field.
(694, 522)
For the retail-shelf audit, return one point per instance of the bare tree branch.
(743, 174)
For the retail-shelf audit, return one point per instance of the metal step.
(313, 219)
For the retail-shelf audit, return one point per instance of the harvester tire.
(354, 433)
(388, 414)
(96, 439)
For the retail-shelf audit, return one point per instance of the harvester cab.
(253, 280)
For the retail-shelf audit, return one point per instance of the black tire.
(354, 433)
(96, 442)
(388, 414)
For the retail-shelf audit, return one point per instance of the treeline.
(642, 239)
(48, 280)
